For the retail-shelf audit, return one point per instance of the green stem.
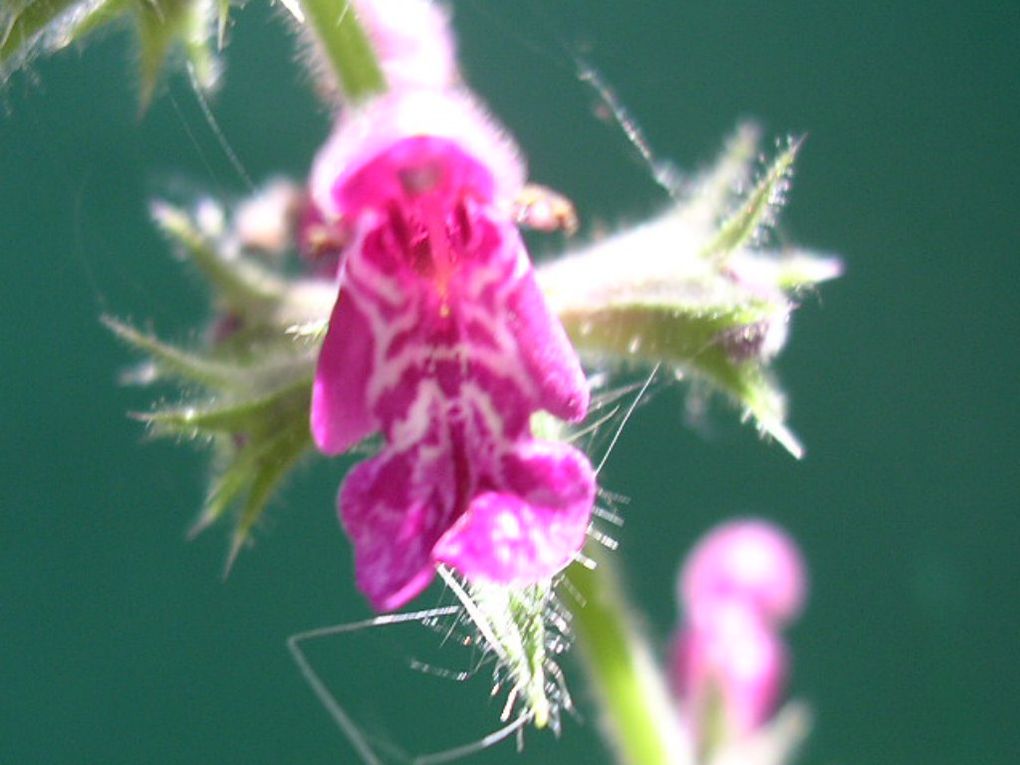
(638, 715)
(346, 47)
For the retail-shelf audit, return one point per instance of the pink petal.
(394, 509)
(546, 353)
(531, 528)
(340, 416)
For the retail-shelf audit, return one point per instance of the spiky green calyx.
(693, 290)
(253, 378)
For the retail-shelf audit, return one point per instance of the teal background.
(120, 642)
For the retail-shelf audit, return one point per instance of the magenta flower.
(743, 581)
(441, 340)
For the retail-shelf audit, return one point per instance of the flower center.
(430, 227)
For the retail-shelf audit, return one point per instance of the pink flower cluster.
(440, 338)
(740, 585)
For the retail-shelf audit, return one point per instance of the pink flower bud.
(728, 670)
(749, 561)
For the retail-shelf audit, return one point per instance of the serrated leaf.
(758, 210)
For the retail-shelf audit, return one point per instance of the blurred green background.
(120, 642)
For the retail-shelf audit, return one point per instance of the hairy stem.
(638, 716)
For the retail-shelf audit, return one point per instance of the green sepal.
(258, 431)
(35, 26)
(242, 285)
(269, 305)
(222, 22)
(672, 333)
(525, 628)
(255, 417)
(255, 470)
(100, 15)
(796, 269)
(23, 24)
(709, 196)
(245, 465)
(158, 25)
(248, 391)
(169, 362)
(758, 209)
(202, 37)
(711, 342)
(162, 24)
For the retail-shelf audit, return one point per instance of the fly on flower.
(441, 340)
